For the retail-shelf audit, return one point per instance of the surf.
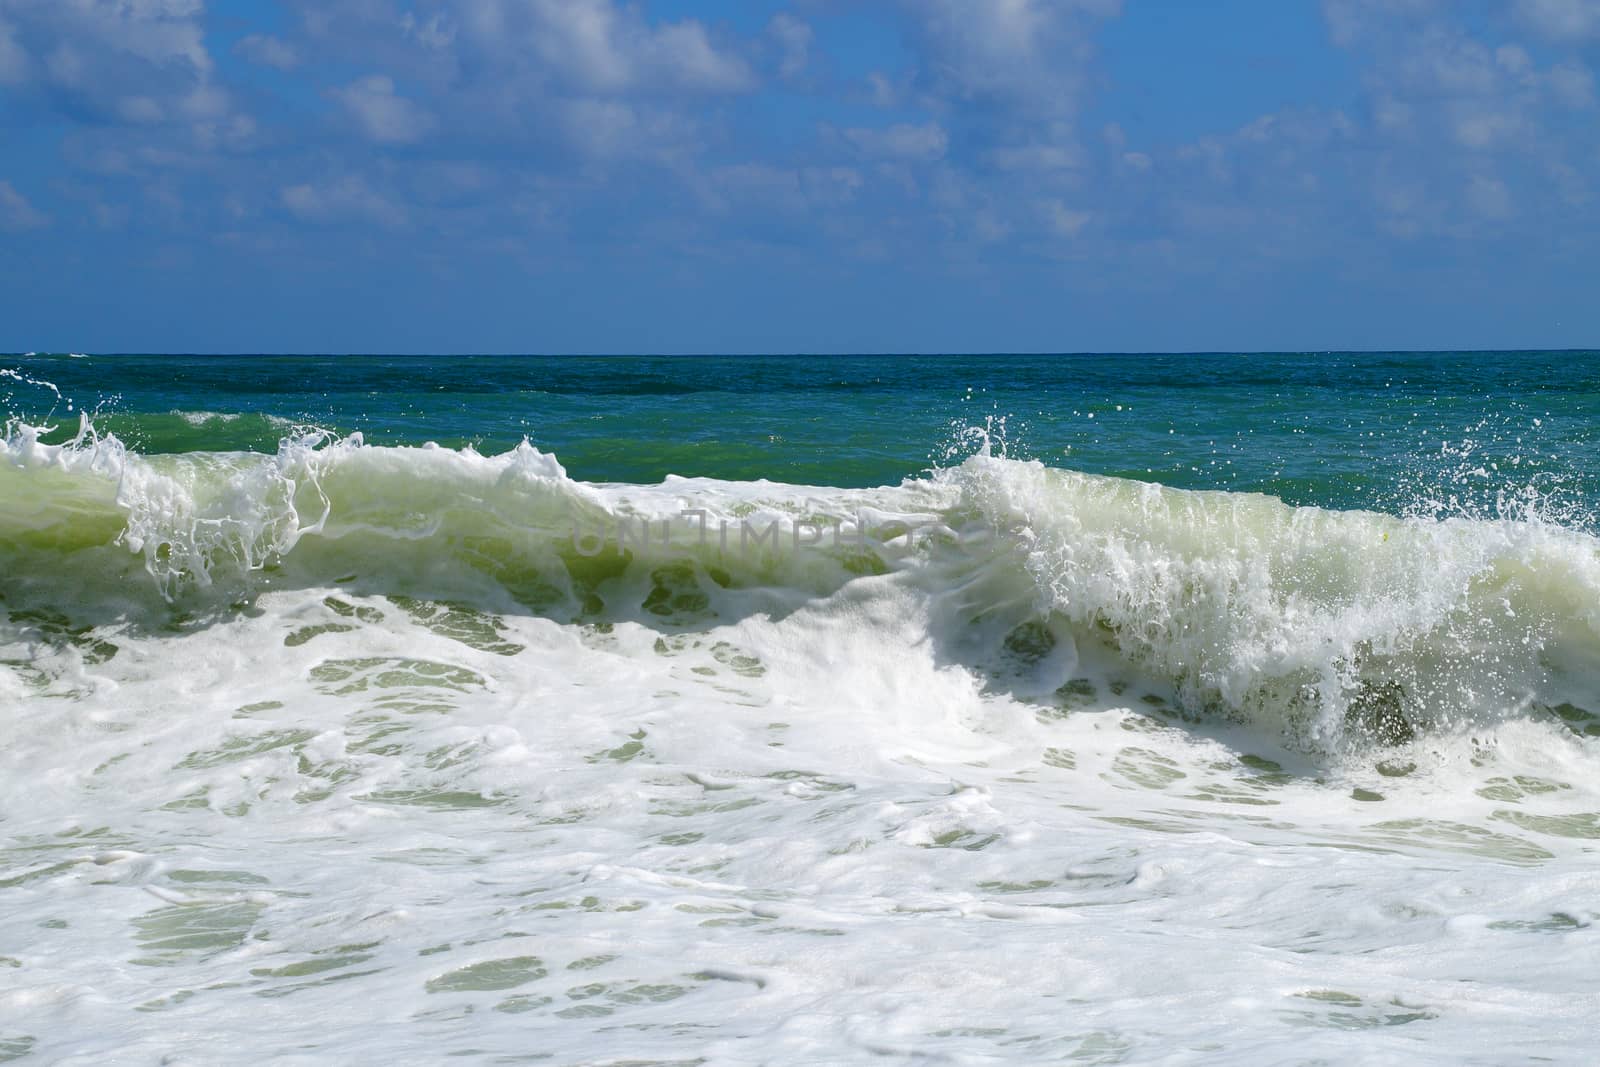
(1325, 627)
(511, 741)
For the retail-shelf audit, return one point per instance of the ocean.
(1093, 709)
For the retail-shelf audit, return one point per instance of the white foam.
(416, 778)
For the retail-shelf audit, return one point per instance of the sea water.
(1113, 709)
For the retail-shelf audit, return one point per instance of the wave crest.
(1325, 624)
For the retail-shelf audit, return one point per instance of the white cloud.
(884, 92)
(1561, 19)
(140, 110)
(16, 213)
(1489, 198)
(605, 128)
(682, 55)
(157, 31)
(903, 141)
(1401, 200)
(1211, 155)
(1445, 61)
(1393, 116)
(1037, 157)
(1428, 70)
(574, 80)
(1028, 53)
(1064, 221)
(793, 38)
(764, 187)
(598, 47)
(1572, 85)
(983, 142)
(139, 62)
(345, 199)
(1352, 20)
(1514, 58)
(438, 32)
(382, 115)
(13, 60)
(1008, 79)
(1574, 189)
(1487, 129)
(602, 127)
(267, 51)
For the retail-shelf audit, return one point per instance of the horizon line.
(875, 354)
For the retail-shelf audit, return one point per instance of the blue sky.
(798, 175)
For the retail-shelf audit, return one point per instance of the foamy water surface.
(348, 753)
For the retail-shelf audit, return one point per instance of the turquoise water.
(1376, 430)
(990, 709)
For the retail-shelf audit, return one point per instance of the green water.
(1392, 431)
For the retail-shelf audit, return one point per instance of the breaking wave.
(1329, 626)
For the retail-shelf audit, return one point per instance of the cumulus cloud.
(1427, 70)
(1008, 79)
(1064, 221)
(1460, 125)
(564, 81)
(1027, 54)
(764, 187)
(264, 50)
(1569, 20)
(1038, 156)
(603, 130)
(383, 115)
(1487, 127)
(16, 213)
(1489, 197)
(13, 60)
(1572, 85)
(344, 199)
(598, 46)
(141, 62)
(1352, 20)
(903, 141)
(793, 38)
(965, 134)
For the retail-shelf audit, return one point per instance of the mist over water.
(1105, 709)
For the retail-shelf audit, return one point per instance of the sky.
(798, 175)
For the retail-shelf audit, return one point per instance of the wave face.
(1326, 625)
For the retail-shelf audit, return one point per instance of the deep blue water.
(1380, 430)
